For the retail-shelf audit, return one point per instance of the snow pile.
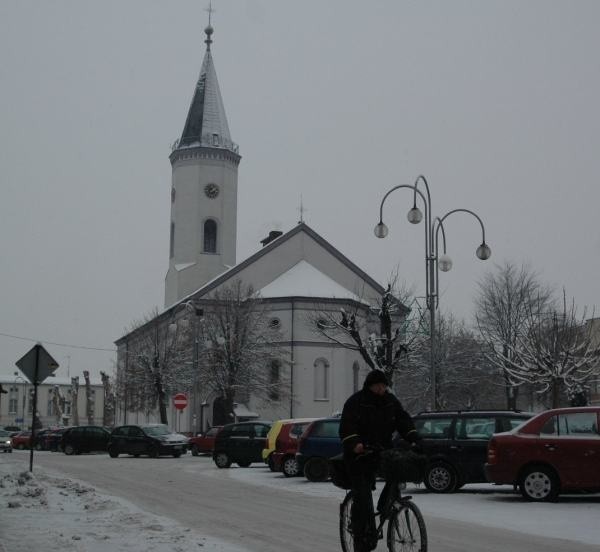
(42, 512)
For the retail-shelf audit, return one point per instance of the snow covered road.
(199, 505)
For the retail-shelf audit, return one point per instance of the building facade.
(16, 406)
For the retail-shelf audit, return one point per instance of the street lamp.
(433, 261)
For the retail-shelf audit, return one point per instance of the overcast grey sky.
(496, 103)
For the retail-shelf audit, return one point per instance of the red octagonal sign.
(180, 401)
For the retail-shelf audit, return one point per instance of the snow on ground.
(43, 512)
(574, 517)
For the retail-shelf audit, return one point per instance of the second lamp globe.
(415, 215)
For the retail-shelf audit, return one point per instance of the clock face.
(211, 190)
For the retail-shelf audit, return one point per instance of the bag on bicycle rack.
(403, 465)
(338, 472)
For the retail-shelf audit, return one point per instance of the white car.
(5, 442)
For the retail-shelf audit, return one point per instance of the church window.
(355, 374)
(321, 379)
(172, 241)
(274, 377)
(215, 139)
(210, 236)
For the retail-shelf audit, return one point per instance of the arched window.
(321, 379)
(274, 378)
(355, 374)
(210, 236)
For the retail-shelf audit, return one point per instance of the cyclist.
(369, 419)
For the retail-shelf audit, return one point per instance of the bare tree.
(74, 394)
(377, 334)
(242, 356)
(108, 417)
(557, 356)
(58, 403)
(507, 299)
(158, 363)
(465, 378)
(89, 399)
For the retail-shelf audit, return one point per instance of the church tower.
(203, 191)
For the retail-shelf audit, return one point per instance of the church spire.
(206, 123)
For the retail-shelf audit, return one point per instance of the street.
(265, 512)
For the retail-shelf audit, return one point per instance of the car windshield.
(4, 433)
(157, 430)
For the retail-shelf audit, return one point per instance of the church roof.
(304, 280)
(206, 123)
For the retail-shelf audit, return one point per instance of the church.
(297, 274)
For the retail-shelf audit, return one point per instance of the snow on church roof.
(304, 280)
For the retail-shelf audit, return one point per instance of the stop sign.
(180, 401)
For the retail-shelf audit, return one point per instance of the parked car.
(53, 439)
(455, 444)
(21, 440)
(5, 441)
(76, 440)
(241, 443)
(13, 430)
(40, 438)
(153, 440)
(204, 443)
(283, 458)
(319, 442)
(555, 452)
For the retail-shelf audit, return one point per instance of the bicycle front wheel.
(406, 530)
(346, 537)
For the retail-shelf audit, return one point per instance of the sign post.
(37, 365)
(180, 401)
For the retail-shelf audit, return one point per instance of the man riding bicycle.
(369, 419)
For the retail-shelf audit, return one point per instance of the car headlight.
(7, 442)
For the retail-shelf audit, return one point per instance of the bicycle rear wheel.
(406, 530)
(346, 537)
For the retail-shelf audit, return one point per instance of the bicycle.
(406, 530)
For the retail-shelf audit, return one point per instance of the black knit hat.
(375, 376)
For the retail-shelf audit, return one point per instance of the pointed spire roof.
(206, 123)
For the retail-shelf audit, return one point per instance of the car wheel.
(69, 450)
(289, 467)
(176, 454)
(113, 452)
(441, 478)
(316, 469)
(222, 460)
(38, 446)
(244, 464)
(153, 453)
(270, 462)
(195, 450)
(136, 455)
(539, 484)
(20, 446)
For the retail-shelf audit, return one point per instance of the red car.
(21, 440)
(555, 452)
(286, 446)
(204, 442)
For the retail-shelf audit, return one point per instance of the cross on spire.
(210, 11)
(302, 210)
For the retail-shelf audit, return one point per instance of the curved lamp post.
(433, 261)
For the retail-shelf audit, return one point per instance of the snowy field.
(43, 512)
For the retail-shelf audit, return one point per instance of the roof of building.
(206, 123)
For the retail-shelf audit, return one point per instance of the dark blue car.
(319, 442)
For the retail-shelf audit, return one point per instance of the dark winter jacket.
(372, 419)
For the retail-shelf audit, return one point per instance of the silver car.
(5, 442)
